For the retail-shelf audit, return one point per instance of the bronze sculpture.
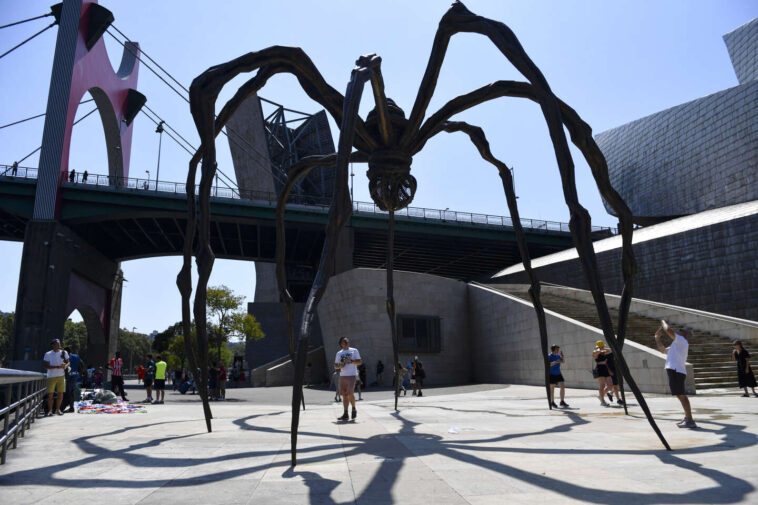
(387, 141)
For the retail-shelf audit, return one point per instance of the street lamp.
(159, 131)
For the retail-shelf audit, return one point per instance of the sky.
(613, 62)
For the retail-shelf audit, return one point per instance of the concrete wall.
(354, 306)
(506, 346)
(716, 324)
(712, 268)
(283, 374)
(270, 315)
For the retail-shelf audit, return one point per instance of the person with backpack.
(55, 361)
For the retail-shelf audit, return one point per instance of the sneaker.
(160, 402)
(552, 404)
(59, 413)
(620, 402)
(564, 405)
(343, 417)
(745, 395)
(420, 393)
(603, 403)
(355, 413)
(414, 393)
(610, 397)
(688, 424)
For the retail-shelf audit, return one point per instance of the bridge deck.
(137, 219)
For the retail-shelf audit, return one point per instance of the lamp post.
(131, 354)
(159, 131)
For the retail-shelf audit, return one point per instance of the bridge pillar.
(60, 273)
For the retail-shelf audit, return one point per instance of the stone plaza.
(478, 444)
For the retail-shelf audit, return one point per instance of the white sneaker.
(603, 403)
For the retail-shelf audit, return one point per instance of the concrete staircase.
(709, 354)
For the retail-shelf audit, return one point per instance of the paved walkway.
(475, 445)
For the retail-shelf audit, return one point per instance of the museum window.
(419, 333)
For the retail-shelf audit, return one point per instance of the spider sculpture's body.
(387, 141)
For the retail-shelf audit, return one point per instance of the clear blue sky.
(612, 61)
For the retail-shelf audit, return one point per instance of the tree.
(223, 307)
(6, 337)
(162, 340)
(75, 336)
(133, 347)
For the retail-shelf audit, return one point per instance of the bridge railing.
(436, 215)
(18, 172)
(21, 399)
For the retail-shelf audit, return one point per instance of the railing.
(19, 407)
(18, 172)
(314, 203)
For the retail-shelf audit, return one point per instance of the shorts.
(676, 382)
(148, 382)
(56, 384)
(347, 384)
(602, 371)
(160, 384)
(556, 379)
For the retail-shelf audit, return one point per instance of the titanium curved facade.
(696, 156)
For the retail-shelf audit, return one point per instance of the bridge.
(131, 218)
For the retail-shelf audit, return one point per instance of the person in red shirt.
(116, 366)
(140, 373)
(222, 382)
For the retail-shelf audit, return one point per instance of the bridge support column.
(60, 273)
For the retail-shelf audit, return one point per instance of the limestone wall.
(354, 306)
(506, 347)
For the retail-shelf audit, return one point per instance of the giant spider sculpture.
(387, 141)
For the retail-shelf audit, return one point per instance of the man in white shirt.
(676, 360)
(346, 362)
(55, 362)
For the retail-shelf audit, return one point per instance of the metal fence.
(21, 399)
(312, 203)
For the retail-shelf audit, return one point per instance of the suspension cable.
(75, 123)
(35, 117)
(26, 20)
(237, 137)
(152, 60)
(30, 38)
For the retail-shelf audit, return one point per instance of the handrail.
(21, 407)
(321, 203)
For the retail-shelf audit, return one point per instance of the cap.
(55, 340)
(599, 343)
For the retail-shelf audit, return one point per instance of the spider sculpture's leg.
(339, 213)
(297, 172)
(459, 19)
(581, 136)
(479, 140)
(184, 283)
(203, 93)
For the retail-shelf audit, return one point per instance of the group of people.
(155, 378)
(676, 359)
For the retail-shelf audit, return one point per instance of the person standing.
(745, 374)
(676, 360)
(379, 372)
(605, 383)
(116, 366)
(160, 380)
(72, 378)
(149, 378)
(419, 375)
(556, 360)
(347, 361)
(55, 361)
(222, 382)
